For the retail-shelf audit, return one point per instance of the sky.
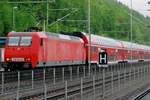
(139, 5)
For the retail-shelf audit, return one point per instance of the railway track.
(104, 78)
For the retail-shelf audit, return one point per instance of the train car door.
(43, 47)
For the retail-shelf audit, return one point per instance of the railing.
(72, 83)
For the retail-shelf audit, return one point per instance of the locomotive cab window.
(93, 49)
(26, 41)
(13, 41)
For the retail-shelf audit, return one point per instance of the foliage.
(108, 18)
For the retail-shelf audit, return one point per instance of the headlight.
(7, 59)
(28, 59)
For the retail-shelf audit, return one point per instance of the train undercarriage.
(17, 66)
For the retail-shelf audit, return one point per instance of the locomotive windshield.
(19, 41)
(26, 41)
(13, 41)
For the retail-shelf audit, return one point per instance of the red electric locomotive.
(40, 49)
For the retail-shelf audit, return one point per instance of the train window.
(13, 41)
(26, 41)
(93, 49)
(111, 58)
(131, 57)
(41, 42)
(2, 41)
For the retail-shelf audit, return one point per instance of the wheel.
(6, 69)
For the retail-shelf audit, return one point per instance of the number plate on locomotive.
(17, 59)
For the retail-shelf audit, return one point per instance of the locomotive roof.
(40, 34)
(62, 36)
(24, 32)
(49, 34)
